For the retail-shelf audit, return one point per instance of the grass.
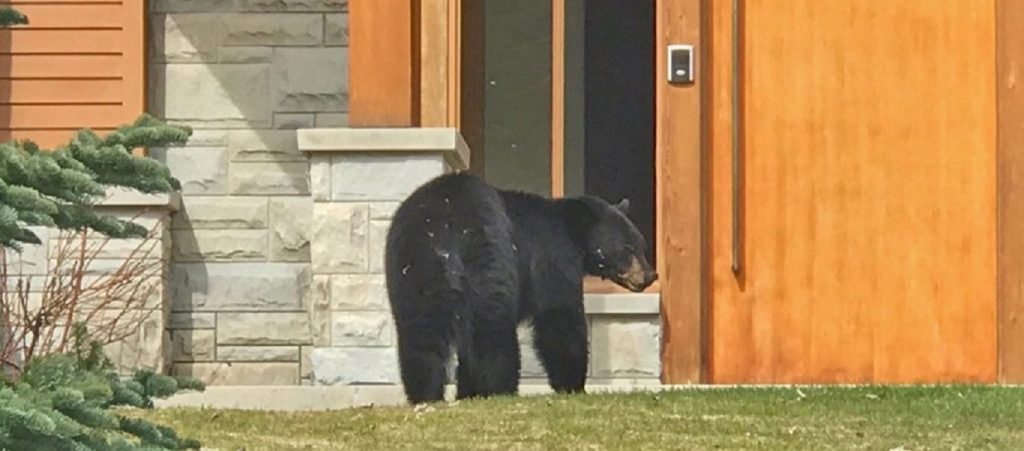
(886, 418)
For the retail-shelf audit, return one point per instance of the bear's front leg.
(560, 339)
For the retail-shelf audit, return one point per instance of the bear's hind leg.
(560, 340)
(489, 365)
(423, 357)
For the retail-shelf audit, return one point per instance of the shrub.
(64, 401)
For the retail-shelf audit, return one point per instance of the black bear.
(466, 263)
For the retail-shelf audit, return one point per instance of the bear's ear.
(623, 206)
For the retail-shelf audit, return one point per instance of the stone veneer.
(358, 177)
(245, 74)
(143, 325)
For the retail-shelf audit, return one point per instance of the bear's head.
(614, 248)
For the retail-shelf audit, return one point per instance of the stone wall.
(122, 296)
(245, 74)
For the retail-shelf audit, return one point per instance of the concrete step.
(319, 398)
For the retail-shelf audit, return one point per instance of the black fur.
(467, 263)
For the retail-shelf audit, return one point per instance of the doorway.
(601, 141)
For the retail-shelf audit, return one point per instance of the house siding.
(76, 65)
(245, 74)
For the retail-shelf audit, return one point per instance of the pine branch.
(60, 188)
(63, 402)
(8, 17)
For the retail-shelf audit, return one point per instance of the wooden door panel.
(869, 199)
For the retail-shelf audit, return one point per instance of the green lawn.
(873, 418)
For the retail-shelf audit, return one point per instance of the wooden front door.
(867, 192)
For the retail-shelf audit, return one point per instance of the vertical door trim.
(681, 179)
(1010, 195)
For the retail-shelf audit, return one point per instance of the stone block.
(193, 345)
(225, 94)
(258, 353)
(383, 210)
(300, 82)
(209, 212)
(145, 347)
(354, 292)
(381, 177)
(362, 329)
(208, 138)
(201, 170)
(32, 259)
(262, 179)
(336, 29)
(530, 366)
(264, 145)
(626, 346)
(240, 286)
(331, 120)
(174, 6)
(192, 320)
(378, 239)
(290, 219)
(272, 29)
(320, 314)
(306, 362)
(186, 38)
(293, 5)
(320, 177)
(277, 328)
(354, 366)
(220, 245)
(242, 373)
(340, 234)
(292, 121)
(70, 246)
(245, 55)
(141, 290)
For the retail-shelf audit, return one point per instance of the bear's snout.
(639, 275)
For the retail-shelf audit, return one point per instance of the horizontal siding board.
(30, 40)
(60, 66)
(63, 116)
(73, 16)
(60, 91)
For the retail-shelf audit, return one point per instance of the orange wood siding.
(384, 65)
(79, 63)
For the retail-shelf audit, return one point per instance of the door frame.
(682, 184)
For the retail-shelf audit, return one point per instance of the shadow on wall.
(244, 76)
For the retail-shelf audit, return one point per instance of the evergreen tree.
(64, 401)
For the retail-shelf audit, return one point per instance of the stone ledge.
(337, 140)
(124, 197)
(622, 304)
(320, 398)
